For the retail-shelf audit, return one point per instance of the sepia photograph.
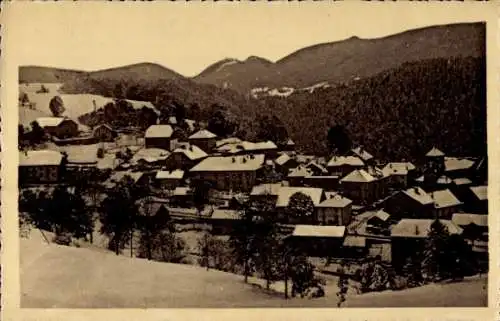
(201, 156)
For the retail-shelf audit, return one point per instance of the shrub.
(62, 238)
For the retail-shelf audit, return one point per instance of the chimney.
(417, 231)
(416, 190)
(95, 105)
(191, 147)
(233, 159)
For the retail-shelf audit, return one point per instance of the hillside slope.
(54, 276)
(351, 58)
(146, 71)
(400, 113)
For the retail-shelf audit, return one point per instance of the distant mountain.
(349, 59)
(228, 72)
(146, 71)
(38, 74)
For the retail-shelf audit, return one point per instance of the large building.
(39, 167)
(237, 173)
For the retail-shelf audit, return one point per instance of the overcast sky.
(187, 37)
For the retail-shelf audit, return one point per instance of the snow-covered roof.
(481, 192)
(359, 176)
(40, 158)
(463, 219)
(335, 201)
(202, 134)
(230, 163)
(444, 198)
(191, 151)
(319, 231)
(419, 195)
(420, 228)
(345, 160)
(434, 152)
(285, 193)
(175, 174)
(159, 131)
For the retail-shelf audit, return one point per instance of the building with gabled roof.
(185, 156)
(399, 173)
(342, 165)
(476, 200)
(334, 210)
(60, 127)
(204, 139)
(284, 163)
(169, 179)
(39, 167)
(317, 240)
(361, 187)
(362, 153)
(104, 133)
(409, 236)
(411, 203)
(237, 173)
(445, 204)
(159, 136)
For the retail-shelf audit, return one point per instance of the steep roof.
(434, 152)
(285, 193)
(381, 215)
(191, 151)
(444, 198)
(118, 176)
(230, 163)
(335, 201)
(362, 153)
(300, 171)
(266, 189)
(463, 219)
(345, 160)
(49, 121)
(358, 176)
(159, 131)
(456, 163)
(314, 164)
(319, 231)
(202, 134)
(419, 195)
(282, 159)
(481, 192)
(420, 228)
(40, 158)
(175, 174)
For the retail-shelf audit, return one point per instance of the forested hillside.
(398, 113)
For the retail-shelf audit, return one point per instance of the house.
(318, 240)
(477, 201)
(118, 176)
(40, 167)
(285, 193)
(435, 160)
(410, 203)
(316, 169)
(237, 173)
(408, 236)
(149, 157)
(159, 136)
(182, 197)
(456, 167)
(342, 165)
(185, 156)
(224, 221)
(204, 139)
(460, 188)
(475, 226)
(169, 179)
(363, 154)
(445, 204)
(361, 187)
(104, 133)
(334, 210)
(284, 163)
(378, 223)
(399, 173)
(296, 176)
(265, 191)
(59, 127)
(355, 246)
